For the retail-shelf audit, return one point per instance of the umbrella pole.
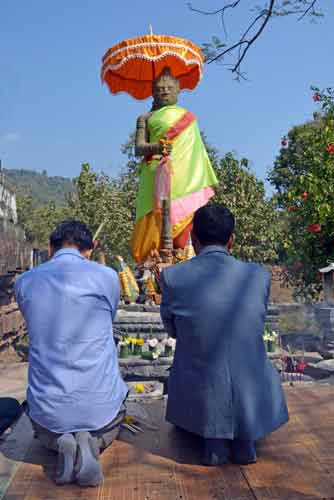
(153, 72)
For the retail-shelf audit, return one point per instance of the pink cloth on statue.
(187, 205)
(162, 183)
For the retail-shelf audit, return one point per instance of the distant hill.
(39, 185)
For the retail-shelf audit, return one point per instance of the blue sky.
(55, 114)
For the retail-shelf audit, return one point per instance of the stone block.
(309, 357)
(316, 372)
(327, 364)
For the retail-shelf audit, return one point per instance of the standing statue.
(170, 129)
(176, 176)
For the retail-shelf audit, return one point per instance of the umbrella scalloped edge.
(187, 62)
(132, 65)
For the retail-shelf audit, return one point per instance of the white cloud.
(10, 137)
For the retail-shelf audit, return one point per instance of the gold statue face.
(166, 90)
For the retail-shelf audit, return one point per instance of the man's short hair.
(73, 233)
(213, 224)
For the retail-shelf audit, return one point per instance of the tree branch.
(215, 12)
(245, 42)
(266, 13)
(308, 10)
(220, 12)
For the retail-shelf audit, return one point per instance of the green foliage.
(38, 222)
(99, 199)
(303, 176)
(292, 7)
(239, 189)
(128, 181)
(93, 198)
(39, 186)
(212, 48)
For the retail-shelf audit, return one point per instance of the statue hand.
(169, 149)
(165, 148)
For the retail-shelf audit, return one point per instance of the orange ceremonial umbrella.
(132, 65)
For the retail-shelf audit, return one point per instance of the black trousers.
(10, 411)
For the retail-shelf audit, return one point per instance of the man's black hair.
(213, 224)
(72, 232)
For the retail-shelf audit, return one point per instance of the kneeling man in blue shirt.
(75, 391)
(222, 386)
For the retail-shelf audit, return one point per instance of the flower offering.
(169, 344)
(152, 344)
(124, 347)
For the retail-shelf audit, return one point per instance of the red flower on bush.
(292, 209)
(296, 265)
(330, 148)
(316, 97)
(284, 141)
(314, 228)
(305, 195)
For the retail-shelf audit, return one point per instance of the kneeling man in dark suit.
(222, 386)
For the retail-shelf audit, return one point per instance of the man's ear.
(195, 243)
(87, 254)
(51, 251)
(231, 242)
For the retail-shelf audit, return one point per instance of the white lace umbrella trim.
(152, 44)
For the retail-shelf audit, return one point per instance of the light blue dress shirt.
(74, 382)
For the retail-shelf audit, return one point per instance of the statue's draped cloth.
(191, 180)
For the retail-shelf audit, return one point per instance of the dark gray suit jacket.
(221, 384)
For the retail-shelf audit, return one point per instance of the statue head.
(166, 89)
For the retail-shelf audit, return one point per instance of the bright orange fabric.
(132, 65)
(147, 234)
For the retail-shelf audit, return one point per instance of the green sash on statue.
(192, 170)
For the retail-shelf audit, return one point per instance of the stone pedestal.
(324, 313)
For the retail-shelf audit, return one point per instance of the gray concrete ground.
(13, 380)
